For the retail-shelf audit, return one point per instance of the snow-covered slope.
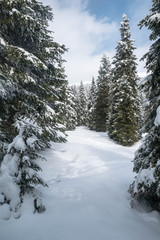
(87, 198)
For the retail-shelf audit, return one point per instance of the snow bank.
(7, 182)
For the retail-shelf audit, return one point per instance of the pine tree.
(146, 186)
(91, 106)
(124, 121)
(102, 104)
(32, 93)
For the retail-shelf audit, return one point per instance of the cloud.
(88, 37)
(73, 4)
(138, 10)
(84, 35)
(139, 52)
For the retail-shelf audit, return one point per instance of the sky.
(90, 28)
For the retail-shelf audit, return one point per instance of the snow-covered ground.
(87, 198)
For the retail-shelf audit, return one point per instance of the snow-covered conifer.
(31, 86)
(124, 121)
(70, 114)
(91, 106)
(102, 105)
(82, 106)
(146, 186)
(144, 89)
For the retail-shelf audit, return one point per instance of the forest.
(40, 109)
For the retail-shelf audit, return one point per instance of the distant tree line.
(112, 103)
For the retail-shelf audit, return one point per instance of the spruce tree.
(146, 186)
(145, 91)
(124, 121)
(91, 106)
(82, 106)
(32, 90)
(70, 114)
(102, 105)
(76, 102)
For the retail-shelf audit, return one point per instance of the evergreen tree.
(70, 119)
(146, 187)
(144, 89)
(32, 93)
(102, 104)
(76, 102)
(91, 106)
(82, 106)
(124, 121)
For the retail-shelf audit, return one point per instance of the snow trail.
(87, 198)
